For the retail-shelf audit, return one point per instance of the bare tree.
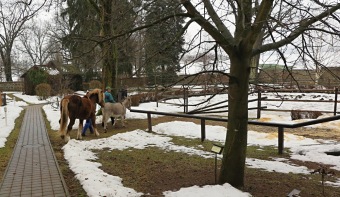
(13, 17)
(236, 26)
(321, 52)
(36, 43)
(242, 29)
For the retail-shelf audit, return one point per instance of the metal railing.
(280, 126)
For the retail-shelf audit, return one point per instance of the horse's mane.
(94, 91)
(97, 92)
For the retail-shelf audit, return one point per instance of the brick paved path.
(33, 169)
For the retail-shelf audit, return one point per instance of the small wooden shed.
(55, 76)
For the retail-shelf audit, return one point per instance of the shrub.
(37, 76)
(65, 92)
(95, 84)
(135, 100)
(43, 91)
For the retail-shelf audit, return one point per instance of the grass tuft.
(6, 152)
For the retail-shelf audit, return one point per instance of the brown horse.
(75, 107)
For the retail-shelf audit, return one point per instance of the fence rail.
(259, 107)
(11, 86)
(280, 126)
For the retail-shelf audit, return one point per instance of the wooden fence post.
(185, 99)
(0, 98)
(259, 104)
(149, 123)
(335, 101)
(156, 95)
(202, 130)
(280, 139)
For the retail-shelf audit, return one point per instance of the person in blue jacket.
(109, 99)
(88, 124)
(108, 96)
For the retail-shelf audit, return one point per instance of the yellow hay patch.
(271, 136)
(265, 119)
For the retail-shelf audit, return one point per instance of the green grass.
(194, 143)
(153, 170)
(265, 152)
(14, 97)
(6, 152)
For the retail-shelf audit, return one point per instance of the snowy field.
(98, 183)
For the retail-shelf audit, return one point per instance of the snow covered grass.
(97, 182)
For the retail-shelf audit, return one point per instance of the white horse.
(115, 110)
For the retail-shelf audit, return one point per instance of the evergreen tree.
(94, 24)
(124, 17)
(163, 45)
(83, 24)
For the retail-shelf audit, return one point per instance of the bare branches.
(303, 26)
(223, 41)
(14, 15)
(217, 20)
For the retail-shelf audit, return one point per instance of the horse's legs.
(67, 135)
(103, 115)
(80, 128)
(115, 121)
(105, 119)
(123, 120)
(93, 125)
(69, 128)
(96, 131)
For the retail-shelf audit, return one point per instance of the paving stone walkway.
(33, 169)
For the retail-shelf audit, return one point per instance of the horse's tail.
(63, 117)
(103, 114)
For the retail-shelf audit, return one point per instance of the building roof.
(273, 66)
(50, 68)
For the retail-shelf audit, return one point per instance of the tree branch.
(304, 24)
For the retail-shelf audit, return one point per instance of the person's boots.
(112, 120)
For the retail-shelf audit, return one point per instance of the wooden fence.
(217, 107)
(335, 101)
(12, 86)
(280, 126)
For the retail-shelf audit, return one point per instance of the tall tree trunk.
(115, 61)
(254, 66)
(253, 78)
(234, 155)
(107, 47)
(8, 67)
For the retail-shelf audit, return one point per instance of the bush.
(37, 76)
(65, 92)
(135, 100)
(43, 91)
(95, 84)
